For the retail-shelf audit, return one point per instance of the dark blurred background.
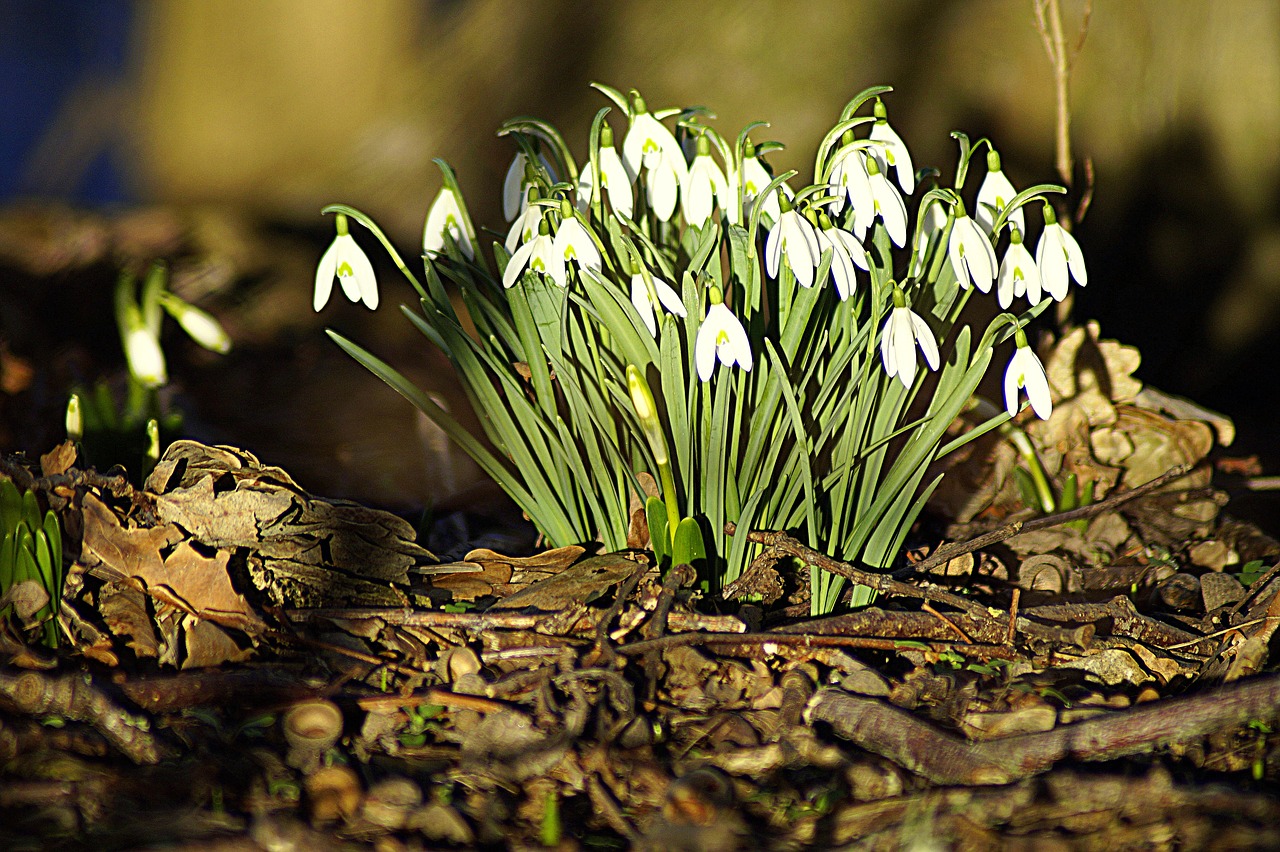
(212, 133)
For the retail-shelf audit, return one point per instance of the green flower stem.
(1023, 445)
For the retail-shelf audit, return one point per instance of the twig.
(1013, 615)
(764, 640)
(1050, 28)
(71, 697)
(784, 543)
(945, 554)
(929, 609)
(946, 759)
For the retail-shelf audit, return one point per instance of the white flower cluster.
(656, 176)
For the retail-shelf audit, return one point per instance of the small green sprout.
(30, 552)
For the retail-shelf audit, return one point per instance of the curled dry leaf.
(301, 550)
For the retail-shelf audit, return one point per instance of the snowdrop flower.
(794, 238)
(143, 354)
(704, 186)
(526, 224)
(1019, 274)
(515, 187)
(613, 174)
(970, 252)
(850, 181)
(887, 204)
(446, 215)
(573, 242)
(652, 145)
(898, 339)
(199, 325)
(892, 152)
(753, 180)
(347, 261)
(1058, 253)
(846, 253)
(1026, 372)
(722, 336)
(662, 295)
(994, 195)
(538, 255)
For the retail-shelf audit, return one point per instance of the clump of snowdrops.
(772, 354)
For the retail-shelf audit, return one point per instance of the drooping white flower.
(722, 336)
(144, 356)
(1025, 371)
(705, 186)
(892, 152)
(1058, 253)
(649, 144)
(613, 174)
(898, 339)
(573, 242)
(514, 187)
(1019, 274)
(525, 226)
(846, 253)
(348, 262)
(887, 204)
(994, 195)
(538, 255)
(970, 252)
(668, 299)
(516, 184)
(199, 325)
(754, 179)
(446, 215)
(850, 181)
(792, 237)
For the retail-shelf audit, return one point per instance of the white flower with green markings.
(446, 216)
(645, 299)
(721, 336)
(970, 253)
(892, 152)
(793, 239)
(994, 196)
(651, 146)
(705, 186)
(1019, 274)
(1025, 372)
(537, 255)
(615, 177)
(1058, 254)
(898, 339)
(346, 261)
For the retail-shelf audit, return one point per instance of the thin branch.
(951, 551)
